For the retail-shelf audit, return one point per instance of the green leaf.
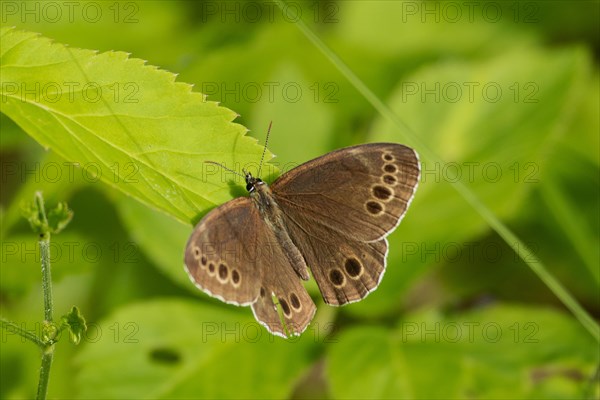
(59, 217)
(126, 123)
(183, 349)
(75, 324)
(495, 144)
(43, 221)
(496, 352)
(487, 138)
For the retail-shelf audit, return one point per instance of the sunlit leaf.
(496, 352)
(126, 123)
(182, 349)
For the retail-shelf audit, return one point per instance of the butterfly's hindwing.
(346, 271)
(283, 305)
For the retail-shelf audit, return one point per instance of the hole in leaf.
(165, 355)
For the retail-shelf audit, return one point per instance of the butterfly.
(329, 216)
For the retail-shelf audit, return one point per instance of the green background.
(501, 97)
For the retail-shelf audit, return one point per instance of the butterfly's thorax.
(263, 199)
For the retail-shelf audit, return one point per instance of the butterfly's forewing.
(234, 256)
(340, 207)
(361, 192)
(220, 255)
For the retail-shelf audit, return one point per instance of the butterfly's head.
(251, 182)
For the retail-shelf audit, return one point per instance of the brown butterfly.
(330, 215)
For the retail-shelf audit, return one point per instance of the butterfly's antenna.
(264, 150)
(225, 168)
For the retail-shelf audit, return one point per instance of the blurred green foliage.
(458, 314)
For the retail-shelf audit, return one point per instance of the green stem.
(48, 307)
(45, 373)
(14, 328)
(45, 256)
(46, 276)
